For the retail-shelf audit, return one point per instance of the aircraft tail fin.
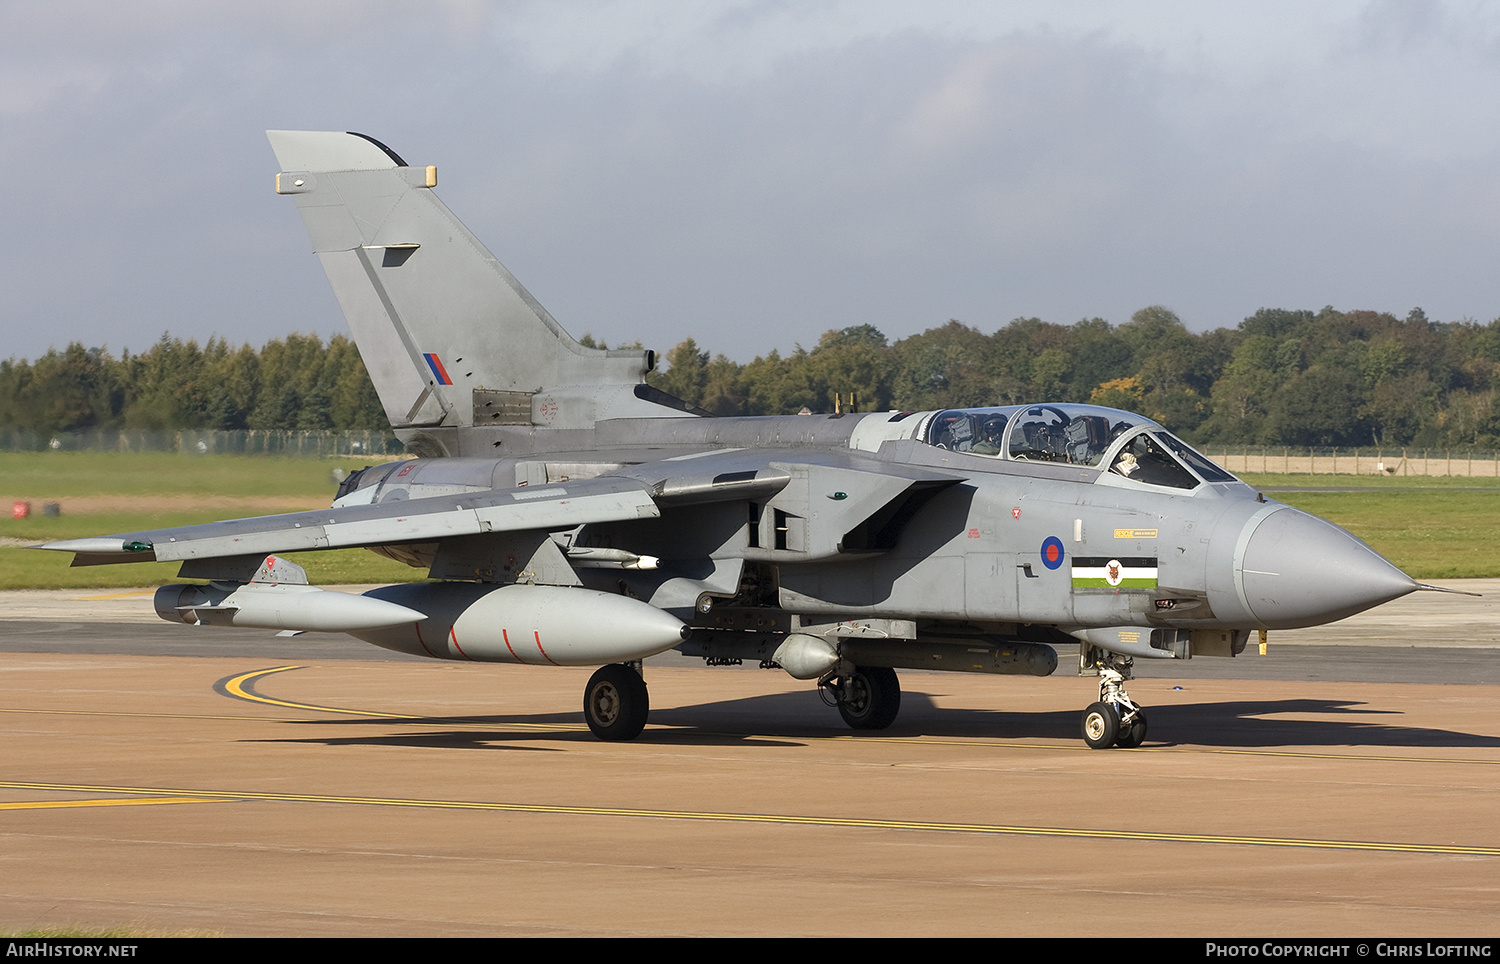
(449, 336)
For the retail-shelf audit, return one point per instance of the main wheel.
(1101, 726)
(1133, 735)
(874, 698)
(615, 703)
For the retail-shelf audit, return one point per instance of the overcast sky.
(754, 173)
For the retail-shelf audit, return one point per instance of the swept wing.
(412, 520)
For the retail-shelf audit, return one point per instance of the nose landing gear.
(1116, 720)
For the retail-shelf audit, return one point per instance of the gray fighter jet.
(574, 515)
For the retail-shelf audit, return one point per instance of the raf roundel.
(1052, 552)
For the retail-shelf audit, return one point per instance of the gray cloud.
(752, 174)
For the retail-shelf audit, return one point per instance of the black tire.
(1101, 726)
(1133, 735)
(875, 698)
(615, 703)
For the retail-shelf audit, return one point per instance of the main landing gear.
(868, 697)
(615, 702)
(1116, 720)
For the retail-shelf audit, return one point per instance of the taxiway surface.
(229, 781)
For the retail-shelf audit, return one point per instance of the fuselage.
(1063, 516)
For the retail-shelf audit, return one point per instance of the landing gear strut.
(1116, 720)
(868, 698)
(615, 702)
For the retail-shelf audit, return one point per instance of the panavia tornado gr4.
(573, 515)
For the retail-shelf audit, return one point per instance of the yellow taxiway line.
(114, 802)
(241, 687)
(856, 823)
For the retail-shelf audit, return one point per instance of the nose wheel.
(1116, 720)
(1133, 735)
(1101, 726)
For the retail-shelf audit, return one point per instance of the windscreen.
(1195, 460)
(1145, 459)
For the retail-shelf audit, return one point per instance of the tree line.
(293, 383)
(1302, 378)
(1282, 377)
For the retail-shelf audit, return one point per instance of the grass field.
(1432, 528)
(1277, 480)
(102, 493)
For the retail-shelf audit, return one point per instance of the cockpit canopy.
(1132, 446)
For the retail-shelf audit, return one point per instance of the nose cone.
(1298, 570)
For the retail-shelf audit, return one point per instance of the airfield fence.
(325, 444)
(1358, 461)
(284, 444)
